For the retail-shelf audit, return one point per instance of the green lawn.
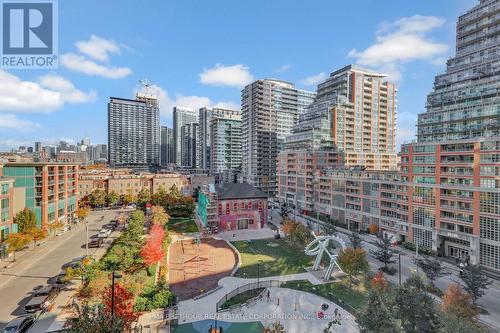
(182, 225)
(338, 292)
(278, 258)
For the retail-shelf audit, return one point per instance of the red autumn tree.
(152, 251)
(458, 302)
(124, 305)
(379, 282)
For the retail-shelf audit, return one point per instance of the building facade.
(225, 207)
(126, 182)
(50, 190)
(225, 143)
(134, 132)
(465, 102)
(167, 151)
(190, 155)
(181, 117)
(206, 117)
(270, 108)
(6, 208)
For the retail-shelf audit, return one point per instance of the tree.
(275, 327)
(416, 308)
(353, 261)
(152, 252)
(432, 268)
(356, 240)
(25, 220)
(373, 229)
(16, 242)
(174, 191)
(111, 198)
(82, 213)
(379, 283)
(128, 198)
(330, 327)
(454, 324)
(159, 197)
(376, 315)
(475, 281)
(143, 198)
(36, 235)
(384, 253)
(53, 227)
(158, 215)
(458, 302)
(123, 305)
(328, 228)
(94, 320)
(97, 198)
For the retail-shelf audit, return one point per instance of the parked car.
(75, 263)
(59, 279)
(96, 242)
(42, 299)
(104, 233)
(19, 324)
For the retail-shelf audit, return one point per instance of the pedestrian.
(268, 296)
(278, 301)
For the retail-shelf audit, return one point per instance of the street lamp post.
(113, 276)
(87, 238)
(399, 255)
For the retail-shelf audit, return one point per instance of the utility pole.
(416, 257)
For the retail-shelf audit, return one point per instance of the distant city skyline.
(70, 103)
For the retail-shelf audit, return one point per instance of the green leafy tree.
(112, 198)
(159, 197)
(356, 240)
(432, 268)
(376, 315)
(143, 198)
(384, 253)
(25, 220)
(275, 327)
(129, 198)
(415, 308)
(455, 324)
(475, 281)
(97, 198)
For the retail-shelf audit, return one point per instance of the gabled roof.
(238, 191)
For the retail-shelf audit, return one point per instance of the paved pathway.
(246, 234)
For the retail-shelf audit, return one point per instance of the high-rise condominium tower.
(189, 153)
(269, 110)
(355, 111)
(182, 116)
(206, 116)
(134, 132)
(225, 142)
(465, 102)
(167, 146)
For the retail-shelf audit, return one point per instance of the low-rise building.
(125, 181)
(6, 207)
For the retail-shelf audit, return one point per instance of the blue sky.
(199, 53)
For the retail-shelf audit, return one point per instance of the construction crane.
(148, 91)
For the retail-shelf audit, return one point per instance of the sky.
(202, 53)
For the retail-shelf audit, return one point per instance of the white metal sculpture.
(319, 246)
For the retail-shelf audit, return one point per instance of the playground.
(195, 266)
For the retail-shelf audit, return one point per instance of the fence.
(247, 287)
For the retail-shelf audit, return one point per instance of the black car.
(96, 242)
(42, 298)
(19, 324)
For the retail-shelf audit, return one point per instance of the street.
(489, 301)
(35, 267)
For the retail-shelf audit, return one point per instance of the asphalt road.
(17, 283)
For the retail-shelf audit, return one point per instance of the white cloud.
(26, 96)
(11, 121)
(68, 91)
(98, 48)
(236, 76)
(81, 64)
(314, 79)
(47, 95)
(283, 68)
(400, 42)
(228, 105)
